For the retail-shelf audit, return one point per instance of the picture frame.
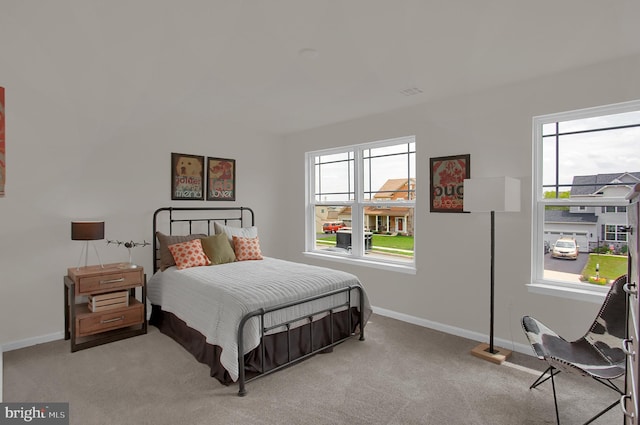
(447, 174)
(3, 170)
(187, 177)
(221, 179)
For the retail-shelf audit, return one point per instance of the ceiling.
(245, 61)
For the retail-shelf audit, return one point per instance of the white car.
(565, 248)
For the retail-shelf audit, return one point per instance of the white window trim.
(538, 284)
(357, 254)
(393, 267)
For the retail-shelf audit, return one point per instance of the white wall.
(60, 167)
(70, 157)
(451, 286)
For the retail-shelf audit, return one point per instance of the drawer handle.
(626, 348)
(622, 406)
(102, 282)
(117, 319)
(630, 288)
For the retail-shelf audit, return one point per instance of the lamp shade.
(491, 194)
(87, 230)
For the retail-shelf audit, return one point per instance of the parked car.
(332, 226)
(565, 248)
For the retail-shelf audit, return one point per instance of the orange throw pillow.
(247, 248)
(189, 254)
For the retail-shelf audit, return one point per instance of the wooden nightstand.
(87, 328)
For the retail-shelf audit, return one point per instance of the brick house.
(392, 219)
(379, 219)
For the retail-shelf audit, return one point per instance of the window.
(614, 209)
(585, 163)
(361, 203)
(615, 233)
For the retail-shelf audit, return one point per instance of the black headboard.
(188, 220)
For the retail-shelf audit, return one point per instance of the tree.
(551, 194)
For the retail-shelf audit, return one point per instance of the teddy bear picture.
(187, 176)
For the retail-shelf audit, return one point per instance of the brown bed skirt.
(275, 345)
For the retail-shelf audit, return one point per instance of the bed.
(245, 315)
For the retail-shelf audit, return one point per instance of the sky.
(335, 176)
(614, 151)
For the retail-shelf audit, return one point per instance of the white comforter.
(213, 299)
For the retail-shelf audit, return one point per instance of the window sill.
(399, 268)
(596, 297)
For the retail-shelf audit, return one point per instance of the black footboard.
(242, 380)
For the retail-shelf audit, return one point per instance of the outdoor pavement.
(566, 266)
(565, 277)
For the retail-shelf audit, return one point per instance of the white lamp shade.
(491, 194)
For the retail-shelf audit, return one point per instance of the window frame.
(357, 255)
(538, 283)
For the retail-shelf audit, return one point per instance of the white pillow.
(241, 232)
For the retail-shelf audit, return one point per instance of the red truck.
(333, 226)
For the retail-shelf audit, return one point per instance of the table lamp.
(87, 231)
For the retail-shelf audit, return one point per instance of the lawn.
(398, 241)
(611, 267)
(382, 241)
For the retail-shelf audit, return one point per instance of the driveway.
(566, 266)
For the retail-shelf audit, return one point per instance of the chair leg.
(551, 371)
(615, 403)
(612, 386)
(555, 400)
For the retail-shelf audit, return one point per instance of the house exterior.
(593, 226)
(396, 219)
(378, 219)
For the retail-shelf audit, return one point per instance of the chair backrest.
(608, 329)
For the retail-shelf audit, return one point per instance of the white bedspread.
(213, 299)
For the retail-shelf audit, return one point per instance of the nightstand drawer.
(108, 281)
(89, 324)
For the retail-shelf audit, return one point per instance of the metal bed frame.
(238, 215)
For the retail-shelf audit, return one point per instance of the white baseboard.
(464, 333)
(10, 346)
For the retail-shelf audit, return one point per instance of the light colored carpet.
(401, 374)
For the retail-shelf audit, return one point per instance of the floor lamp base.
(498, 356)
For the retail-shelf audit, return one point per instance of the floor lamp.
(491, 194)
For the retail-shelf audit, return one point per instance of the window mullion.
(557, 179)
(310, 201)
(357, 247)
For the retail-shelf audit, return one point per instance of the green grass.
(611, 266)
(398, 241)
(382, 241)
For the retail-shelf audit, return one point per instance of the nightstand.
(110, 312)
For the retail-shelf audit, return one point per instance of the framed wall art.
(3, 170)
(187, 177)
(221, 179)
(447, 178)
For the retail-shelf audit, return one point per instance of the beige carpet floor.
(401, 374)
